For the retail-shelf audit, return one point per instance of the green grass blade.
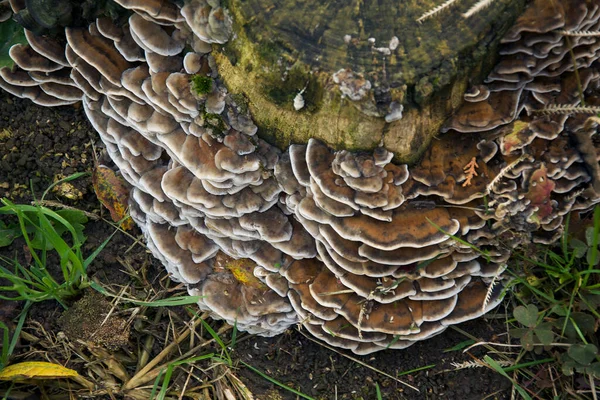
(214, 334)
(390, 344)
(519, 281)
(461, 241)
(234, 335)
(5, 344)
(165, 385)
(8, 344)
(22, 218)
(595, 240)
(492, 363)
(98, 288)
(378, 391)
(93, 256)
(527, 364)
(462, 345)
(19, 327)
(166, 375)
(156, 383)
(564, 238)
(64, 251)
(171, 302)
(412, 371)
(276, 382)
(217, 339)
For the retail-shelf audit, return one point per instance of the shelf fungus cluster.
(364, 253)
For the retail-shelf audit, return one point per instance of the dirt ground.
(42, 144)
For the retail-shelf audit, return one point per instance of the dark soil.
(42, 145)
(294, 360)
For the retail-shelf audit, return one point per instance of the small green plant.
(559, 289)
(44, 231)
(11, 33)
(534, 332)
(576, 331)
(581, 358)
(201, 84)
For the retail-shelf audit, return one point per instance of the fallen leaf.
(67, 190)
(36, 370)
(113, 193)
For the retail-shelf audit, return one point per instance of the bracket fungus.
(364, 252)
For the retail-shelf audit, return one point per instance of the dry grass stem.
(479, 364)
(141, 378)
(56, 204)
(579, 33)
(435, 10)
(568, 109)
(480, 5)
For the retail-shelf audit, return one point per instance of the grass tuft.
(45, 231)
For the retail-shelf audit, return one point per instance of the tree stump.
(358, 74)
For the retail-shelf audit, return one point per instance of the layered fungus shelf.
(364, 251)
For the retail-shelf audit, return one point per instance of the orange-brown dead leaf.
(113, 193)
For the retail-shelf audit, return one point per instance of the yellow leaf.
(242, 270)
(36, 370)
(113, 193)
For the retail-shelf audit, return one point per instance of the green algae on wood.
(283, 49)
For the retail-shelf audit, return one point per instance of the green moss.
(214, 121)
(201, 84)
(281, 87)
(268, 51)
(273, 135)
(241, 101)
(232, 53)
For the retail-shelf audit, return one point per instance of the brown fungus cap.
(5, 11)
(498, 109)
(62, 76)
(17, 77)
(158, 63)
(62, 92)
(99, 53)
(35, 94)
(30, 60)
(418, 228)
(474, 302)
(50, 48)
(540, 17)
(208, 21)
(152, 37)
(85, 70)
(164, 239)
(163, 11)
